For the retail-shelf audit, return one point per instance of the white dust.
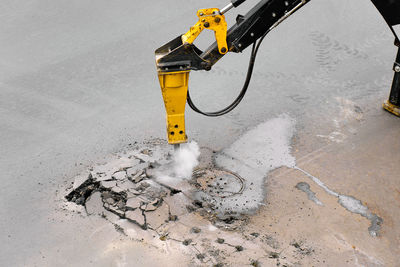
(184, 160)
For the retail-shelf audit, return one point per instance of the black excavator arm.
(175, 59)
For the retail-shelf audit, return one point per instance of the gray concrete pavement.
(78, 82)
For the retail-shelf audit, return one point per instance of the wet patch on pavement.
(351, 204)
(305, 187)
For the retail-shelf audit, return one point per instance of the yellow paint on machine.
(391, 108)
(174, 87)
(211, 19)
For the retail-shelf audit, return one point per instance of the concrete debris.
(80, 179)
(121, 175)
(133, 203)
(177, 203)
(136, 216)
(108, 184)
(158, 217)
(94, 204)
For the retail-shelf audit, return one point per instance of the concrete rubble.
(212, 217)
(127, 193)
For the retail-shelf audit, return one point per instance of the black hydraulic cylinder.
(394, 97)
(237, 3)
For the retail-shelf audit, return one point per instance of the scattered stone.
(173, 218)
(239, 248)
(142, 186)
(119, 229)
(126, 185)
(152, 205)
(135, 216)
(121, 175)
(273, 255)
(101, 176)
(200, 256)
(255, 263)
(133, 203)
(136, 170)
(301, 249)
(117, 189)
(108, 184)
(195, 230)
(220, 240)
(190, 208)
(187, 242)
(271, 242)
(146, 152)
(94, 204)
(132, 193)
(255, 234)
(138, 177)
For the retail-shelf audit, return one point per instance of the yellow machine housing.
(174, 87)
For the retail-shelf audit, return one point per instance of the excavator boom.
(178, 57)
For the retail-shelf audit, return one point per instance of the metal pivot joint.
(211, 19)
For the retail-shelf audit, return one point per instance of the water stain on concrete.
(305, 187)
(351, 204)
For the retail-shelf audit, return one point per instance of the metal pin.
(177, 147)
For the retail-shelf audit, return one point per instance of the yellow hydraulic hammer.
(174, 75)
(174, 87)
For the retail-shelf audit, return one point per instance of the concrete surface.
(78, 83)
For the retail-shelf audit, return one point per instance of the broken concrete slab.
(136, 216)
(158, 217)
(108, 184)
(94, 204)
(134, 203)
(126, 185)
(80, 179)
(101, 176)
(121, 175)
(177, 203)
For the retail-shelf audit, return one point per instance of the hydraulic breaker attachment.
(174, 87)
(174, 61)
(176, 58)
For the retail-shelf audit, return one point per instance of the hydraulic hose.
(242, 93)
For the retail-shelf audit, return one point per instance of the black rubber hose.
(242, 93)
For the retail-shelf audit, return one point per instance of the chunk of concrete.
(177, 204)
(126, 185)
(139, 168)
(158, 217)
(80, 179)
(101, 176)
(136, 216)
(108, 184)
(133, 203)
(94, 205)
(119, 175)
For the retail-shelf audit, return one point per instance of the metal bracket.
(211, 19)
